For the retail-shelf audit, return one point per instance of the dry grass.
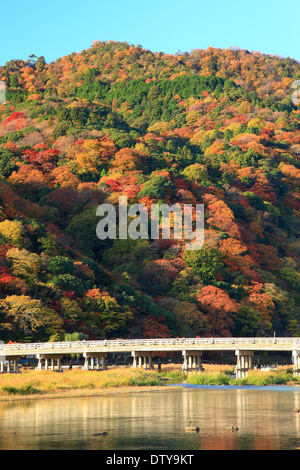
(47, 382)
(78, 382)
(218, 368)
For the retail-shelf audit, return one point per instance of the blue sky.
(59, 27)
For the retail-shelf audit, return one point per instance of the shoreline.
(47, 384)
(126, 390)
(88, 393)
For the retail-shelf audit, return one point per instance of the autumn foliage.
(213, 127)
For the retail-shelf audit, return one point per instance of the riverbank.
(97, 392)
(31, 384)
(78, 383)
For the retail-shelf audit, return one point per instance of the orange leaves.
(41, 157)
(220, 309)
(91, 154)
(63, 177)
(34, 97)
(231, 168)
(146, 201)
(218, 210)
(234, 252)
(290, 171)
(29, 177)
(260, 300)
(249, 142)
(232, 247)
(96, 294)
(216, 299)
(86, 158)
(6, 279)
(11, 146)
(122, 75)
(128, 185)
(114, 185)
(155, 328)
(128, 160)
(221, 216)
(246, 172)
(217, 148)
(29, 76)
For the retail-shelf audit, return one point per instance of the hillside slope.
(213, 127)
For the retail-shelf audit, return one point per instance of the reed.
(43, 383)
(282, 376)
(203, 378)
(261, 378)
(46, 382)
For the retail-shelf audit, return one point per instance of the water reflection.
(155, 421)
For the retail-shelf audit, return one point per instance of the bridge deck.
(152, 345)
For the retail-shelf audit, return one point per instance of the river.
(265, 419)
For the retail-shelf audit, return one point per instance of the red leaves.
(220, 309)
(14, 116)
(5, 277)
(115, 185)
(292, 203)
(159, 274)
(260, 300)
(15, 122)
(155, 328)
(181, 184)
(215, 299)
(42, 159)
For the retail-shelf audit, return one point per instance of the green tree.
(104, 311)
(70, 283)
(70, 309)
(76, 336)
(205, 262)
(247, 322)
(291, 276)
(157, 187)
(7, 165)
(61, 265)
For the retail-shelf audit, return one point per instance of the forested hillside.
(213, 127)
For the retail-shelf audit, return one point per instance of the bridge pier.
(191, 360)
(9, 367)
(94, 361)
(142, 359)
(49, 361)
(244, 363)
(296, 362)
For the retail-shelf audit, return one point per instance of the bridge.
(49, 355)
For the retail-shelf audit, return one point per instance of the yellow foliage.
(12, 231)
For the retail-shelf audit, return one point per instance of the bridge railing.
(163, 342)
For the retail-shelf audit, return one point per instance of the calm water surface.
(157, 421)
